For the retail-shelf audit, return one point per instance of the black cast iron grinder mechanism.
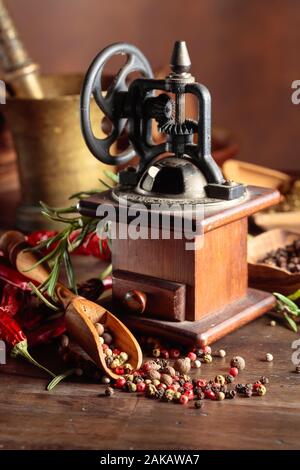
(187, 170)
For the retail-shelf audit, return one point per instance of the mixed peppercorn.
(286, 258)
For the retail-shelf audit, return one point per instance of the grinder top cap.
(180, 166)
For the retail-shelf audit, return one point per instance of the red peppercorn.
(161, 385)
(119, 370)
(233, 371)
(206, 350)
(174, 353)
(210, 394)
(104, 346)
(184, 399)
(164, 353)
(176, 378)
(141, 387)
(188, 386)
(172, 387)
(120, 382)
(189, 394)
(192, 356)
(201, 383)
(116, 351)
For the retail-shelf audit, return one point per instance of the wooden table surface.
(76, 415)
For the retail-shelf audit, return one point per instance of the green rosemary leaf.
(44, 259)
(70, 271)
(82, 194)
(54, 276)
(291, 322)
(36, 291)
(295, 295)
(111, 175)
(105, 184)
(289, 303)
(59, 378)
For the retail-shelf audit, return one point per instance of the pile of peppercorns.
(286, 258)
(158, 379)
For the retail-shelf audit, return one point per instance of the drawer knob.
(135, 301)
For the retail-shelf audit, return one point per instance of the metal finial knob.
(180, 59)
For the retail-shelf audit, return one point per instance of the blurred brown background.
(245, 52)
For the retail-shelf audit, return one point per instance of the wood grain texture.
(207, 329)
(165, 299)
(76, 415)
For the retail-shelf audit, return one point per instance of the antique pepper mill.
(159, 286)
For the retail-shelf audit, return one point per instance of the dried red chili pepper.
(46, 332)
(91, 246)
(12, 334)
(12, 299)
(13, 277)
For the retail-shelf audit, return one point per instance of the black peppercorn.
(248, 392)
(200, 395)
(159, 393)
(197, 390)
(240, 388)
(109, 391)
(223, 388)
(181, 382)
(198, 404)
(264, 380)
(215, 388)
(181, 390)
(298, 369)
(230, 394)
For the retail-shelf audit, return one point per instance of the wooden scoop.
(80, 313)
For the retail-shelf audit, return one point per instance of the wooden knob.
(11, 243)
(135, 301)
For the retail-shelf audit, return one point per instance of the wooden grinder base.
(205, 331)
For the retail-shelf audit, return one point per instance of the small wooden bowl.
(269, 278)
(256, 175)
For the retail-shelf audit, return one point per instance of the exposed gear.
(171, 127)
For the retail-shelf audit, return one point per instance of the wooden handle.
(13, 244)
(135, 301)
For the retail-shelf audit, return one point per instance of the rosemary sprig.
(61, 244)
(287, 306)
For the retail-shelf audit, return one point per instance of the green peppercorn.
(169, 395)
(177, 396)
(261, 390)
(115, 363)
(206, 358)
(131, 387)
(109, 391)
(129, 377)
(156, 352)
(156, 382)
(150, 390)
(198, 404)
(220, 379)
(229, 378)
